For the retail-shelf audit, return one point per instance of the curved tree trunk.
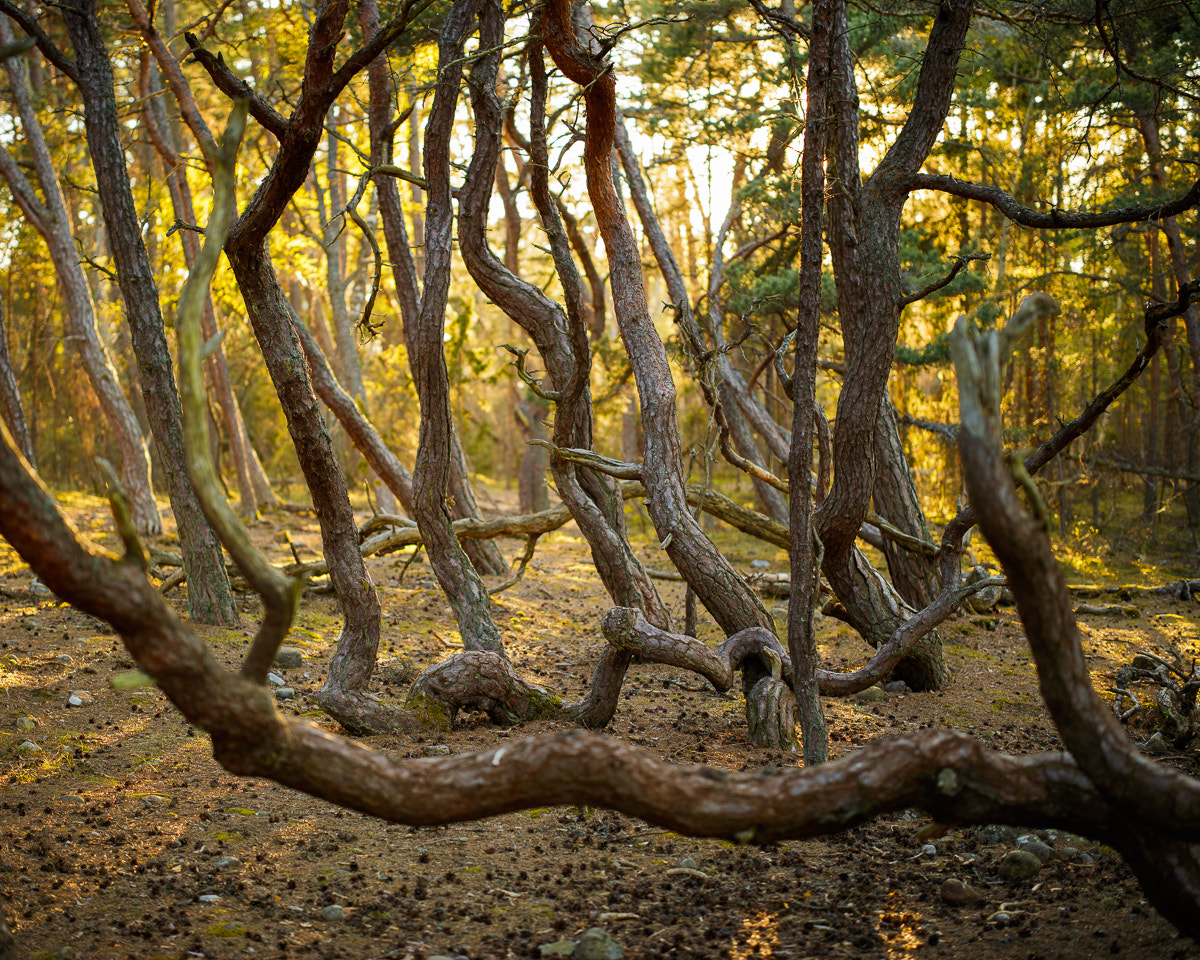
(561, 338)
(210, 599)
(717, 584)
(436, 445)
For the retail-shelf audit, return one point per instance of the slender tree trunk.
(1148, 123)
(51, 219)
(10, 400)
(535, 461)
(803, 555)
(181, 202)
(210, 599)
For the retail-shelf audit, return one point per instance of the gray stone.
(333, 913)
(688, 864)
(897, 686)
(435, 750)
(26, 723)
(80, 698)
(1019, 865)
(761, 564)
(995, 833)
(1033, 845)
(63, 658)
(209, 898)
(29, 749)
(960, 894)
(275, 680)
(870, 695)
(285, 693)
(595, 944)
(225, 863)
(289, 658)
(1157, 746)
(39, 589)
(559, 948)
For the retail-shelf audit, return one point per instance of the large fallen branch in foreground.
(954, 777)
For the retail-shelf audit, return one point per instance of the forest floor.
(121, 837)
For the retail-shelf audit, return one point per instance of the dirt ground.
(121, 837)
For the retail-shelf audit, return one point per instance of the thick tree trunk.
(10, 400)
(436, 445)
(864, 246)
(717, 584)
(275, 326)
(210, 599)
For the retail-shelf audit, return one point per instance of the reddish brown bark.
(718, 586)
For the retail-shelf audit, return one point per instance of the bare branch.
(959, 263)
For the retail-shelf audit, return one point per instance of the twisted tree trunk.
(720, 589)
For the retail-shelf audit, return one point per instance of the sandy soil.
(123, 838)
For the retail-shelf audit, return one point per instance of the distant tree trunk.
(160, 130)
(1148, 123)
(52, 221)
(535, 460)
(210, 599)
(485, 555)
(512, 220)
(435, 452)
(10, 400)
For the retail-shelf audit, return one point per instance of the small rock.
(1157, 746)
(333, 913)
(285, 693)
(63, 658)
(995, 833)
(289, 658)
(230, 928)
(223, 863)
(39, 589)
(761, 564)
(559, 948)
(29, 749)
(870, 695)
(1035, 846)
(595, 944)
(66, 953)
(688, 864)
(209, 898)
(435, 750)
(897, 686)
(1001, 918)
(275, 679)
(81, 698)
(960, 894)
(929, 850)
(1019, 865)
(26, 723)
